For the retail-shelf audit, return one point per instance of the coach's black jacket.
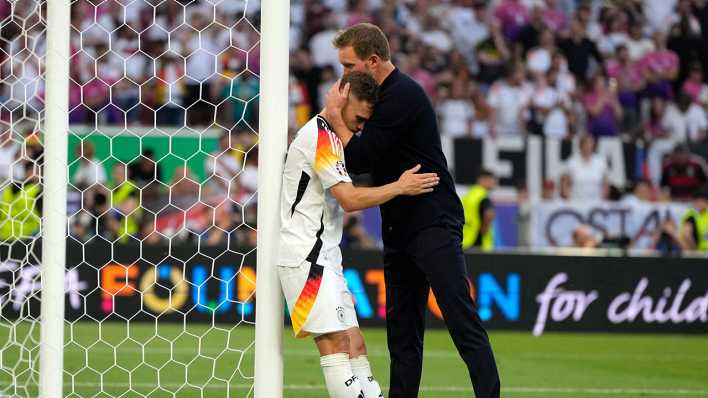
(401, 133)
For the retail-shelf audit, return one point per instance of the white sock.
(362, 370)
(339, 378)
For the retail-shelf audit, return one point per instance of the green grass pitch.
(169, 360)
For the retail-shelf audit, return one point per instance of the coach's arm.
(353, 198)
(380, 134)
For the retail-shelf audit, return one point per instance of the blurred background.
(576, 132)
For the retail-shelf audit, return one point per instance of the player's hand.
(412, 183)
(335, 100)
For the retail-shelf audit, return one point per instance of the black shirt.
(578, 54)
(401, 133)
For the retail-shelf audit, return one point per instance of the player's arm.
(353, 198)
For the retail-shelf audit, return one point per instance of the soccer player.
(316, 190)
(422, 235)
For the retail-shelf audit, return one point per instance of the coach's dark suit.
(422, 239)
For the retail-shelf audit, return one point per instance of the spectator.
(588, 173)
(478, 230)
(538, 59)
(602, 106)
(583, 237)
(666, 239)
(685, 38)
(627, 76)
(553, 17)
(100, 220)
(565, 187)
(221, 167)
(549, 108)
(90, 171)
(615, 34)
(240, 94)
(564, 80)
(694, 223)
(467, 26)
(529, 35)
(145, 170)
(513, 15)
(579, 51)
(659, 14)
(170, 91)
(21, 206)
(456, 113)
(641, 193)
(637, 44)
(249, 174)
(321, 48)
(695, 87)
(509, 100)
(311, 76)
(482, 114)
(184, 190)
(686, 121)
(658, 136)
(683, 174)
(224, 229)
(9, 156)
(433, 36)
(120, 185)
(200, 69)
(328, 78)
(660, 67)
(548, 193)
(493, 55)
(129, 215)
(149, 235)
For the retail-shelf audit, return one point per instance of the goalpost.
(269, 301)
(136, 298)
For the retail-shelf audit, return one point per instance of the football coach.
(422, 235)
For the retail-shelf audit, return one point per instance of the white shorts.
(318, 300)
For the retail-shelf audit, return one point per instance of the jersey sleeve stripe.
(329, 147)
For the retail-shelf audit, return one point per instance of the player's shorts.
(318, 300)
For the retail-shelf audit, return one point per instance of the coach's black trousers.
(433, 259)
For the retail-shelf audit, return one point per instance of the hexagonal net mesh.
(161, 205)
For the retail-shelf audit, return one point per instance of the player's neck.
(386, 69)
(323, 114)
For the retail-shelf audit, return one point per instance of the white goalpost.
(275, 24)
(142, 287)
(56, 130)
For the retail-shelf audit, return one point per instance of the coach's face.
(352, 63)
(355, 113)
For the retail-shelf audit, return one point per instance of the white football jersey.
(311, 218)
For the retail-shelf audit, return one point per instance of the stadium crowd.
(562, 69)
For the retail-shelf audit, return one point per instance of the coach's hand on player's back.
(413, 183)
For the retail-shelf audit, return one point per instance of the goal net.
(161, 210)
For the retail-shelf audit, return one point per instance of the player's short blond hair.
(366, 39)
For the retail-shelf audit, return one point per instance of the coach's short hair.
(366, 39)
(362, 86)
